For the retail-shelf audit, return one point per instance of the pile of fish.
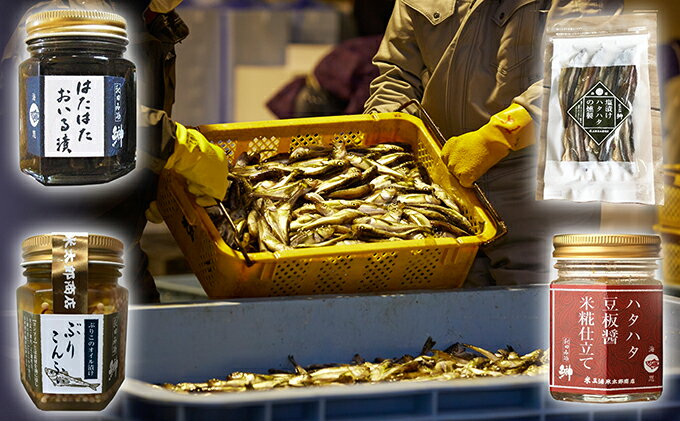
(325, 195)
(455, 362)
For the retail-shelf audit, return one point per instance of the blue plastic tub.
(196, 342)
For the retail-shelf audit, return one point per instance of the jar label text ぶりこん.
(71, 353)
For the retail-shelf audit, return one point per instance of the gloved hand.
(470, 155)
(152, 213)
(202, 164)
(163, 6)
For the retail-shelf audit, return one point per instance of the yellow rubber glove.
(202, 164)
(153, 214)
(163, 6)
(470, 155)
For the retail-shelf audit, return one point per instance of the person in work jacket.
(476, 67)
(118, 208)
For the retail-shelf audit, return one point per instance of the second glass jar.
(72, 357)
(606, 319)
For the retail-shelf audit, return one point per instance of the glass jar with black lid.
(77, 98)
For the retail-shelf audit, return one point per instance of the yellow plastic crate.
(432, 263)
(669, 213)
(670, 238)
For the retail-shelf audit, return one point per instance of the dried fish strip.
(575, 82)
(455, 362)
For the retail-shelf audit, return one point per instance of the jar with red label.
(606, 319)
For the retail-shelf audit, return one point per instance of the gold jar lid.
(101, 249)
(606, 246)
(75, 23)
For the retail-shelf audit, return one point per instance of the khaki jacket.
(466, 60)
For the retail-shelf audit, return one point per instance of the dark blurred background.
(244, 60)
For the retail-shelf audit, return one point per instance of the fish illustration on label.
(62, 379)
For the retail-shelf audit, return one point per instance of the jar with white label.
(77, 98)
(72, 317)
(606, 309)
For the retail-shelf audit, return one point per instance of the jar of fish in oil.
(72, 320)
(77, 98)
(606, 319)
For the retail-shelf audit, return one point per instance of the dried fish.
(353, 193)
(343, 180)
(601, 115)
(455, 362)
(395, 159)
(575, 84)
(318, 195)
(307, 152)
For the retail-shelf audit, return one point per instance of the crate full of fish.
(327, 205)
